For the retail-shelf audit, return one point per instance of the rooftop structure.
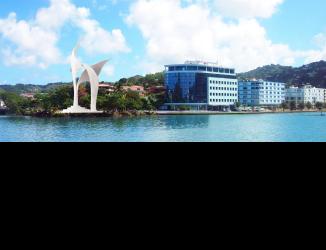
(200, 66)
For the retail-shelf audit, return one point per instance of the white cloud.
(175, 32)
(34, 42)
(247, 8)
(318, 54)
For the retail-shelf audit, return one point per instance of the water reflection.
(271, 127)
(185, 122)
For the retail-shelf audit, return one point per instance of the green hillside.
(314, 73)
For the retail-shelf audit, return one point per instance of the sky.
(141, 36)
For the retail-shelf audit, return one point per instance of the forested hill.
(31, 88)
(314, 73)
(149, 80)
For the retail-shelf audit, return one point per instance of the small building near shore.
(156, 90)
(28, 95)
(110, 88)
(135, 88)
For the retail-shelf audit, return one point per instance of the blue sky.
(140, 36)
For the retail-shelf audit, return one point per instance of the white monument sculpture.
(91, 75)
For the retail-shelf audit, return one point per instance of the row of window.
(201, 68)
(261, 93)
(223, 88)
(222, 94)
(266, 88)
(223, 100)
(266, 101)
(262, 84)
(223, 82)
(261, 97)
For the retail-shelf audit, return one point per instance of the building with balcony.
(294, 94)
(261, 93)
(313, 94)
(305, 94)
(200, 86)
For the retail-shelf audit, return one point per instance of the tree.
(319, 105)
(114, 102)
(284, 106)
(13, 101)
(123, 81)
(293, 105)
(309, 105)
(133, 101)
(301, 106)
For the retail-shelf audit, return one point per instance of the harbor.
(275, 127)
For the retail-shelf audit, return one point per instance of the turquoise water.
(302, 127)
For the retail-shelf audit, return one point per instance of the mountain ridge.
(313, 73)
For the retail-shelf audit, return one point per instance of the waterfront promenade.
(231, 113)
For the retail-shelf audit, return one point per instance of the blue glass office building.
(200, 85)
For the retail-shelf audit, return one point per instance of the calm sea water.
(302, 127)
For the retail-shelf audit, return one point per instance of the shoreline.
(163, 113)
(157, 113)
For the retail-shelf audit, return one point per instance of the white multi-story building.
(222, 91)
(313, 95)
(261, 93)
(305, 94)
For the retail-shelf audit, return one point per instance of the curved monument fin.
(97, 69)
(94, 82)
(99, 66)
(83, 78)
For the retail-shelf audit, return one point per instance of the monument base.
(79, 110)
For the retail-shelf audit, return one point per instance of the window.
(180, 68)
(192, 68)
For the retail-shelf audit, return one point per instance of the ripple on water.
(243, 128)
